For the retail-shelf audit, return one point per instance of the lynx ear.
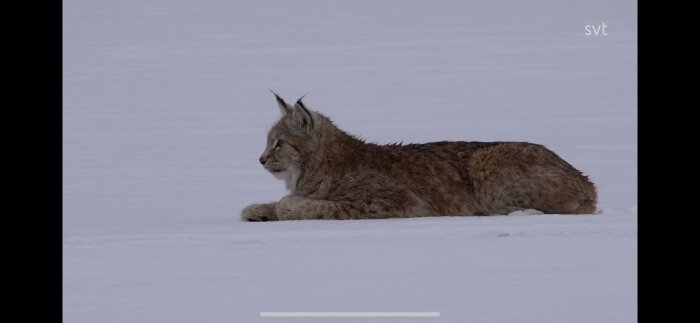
(302, 117)
(284, 107)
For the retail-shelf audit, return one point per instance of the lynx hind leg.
(260, 212)
(513, 177)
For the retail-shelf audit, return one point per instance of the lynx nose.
(262, 160)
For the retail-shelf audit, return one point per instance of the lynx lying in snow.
(333, 175)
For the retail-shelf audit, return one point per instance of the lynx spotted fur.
(333, 175)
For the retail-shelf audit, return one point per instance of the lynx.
(333, 175)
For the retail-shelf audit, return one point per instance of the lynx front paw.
(259, 213)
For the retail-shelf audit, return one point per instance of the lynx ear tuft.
(302, 117)
(284, 107)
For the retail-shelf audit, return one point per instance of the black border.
(53, 163)
(34, 150)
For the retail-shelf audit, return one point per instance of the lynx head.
(291, 143)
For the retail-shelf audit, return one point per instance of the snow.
(166, 108)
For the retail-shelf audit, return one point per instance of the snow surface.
(166, 108)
